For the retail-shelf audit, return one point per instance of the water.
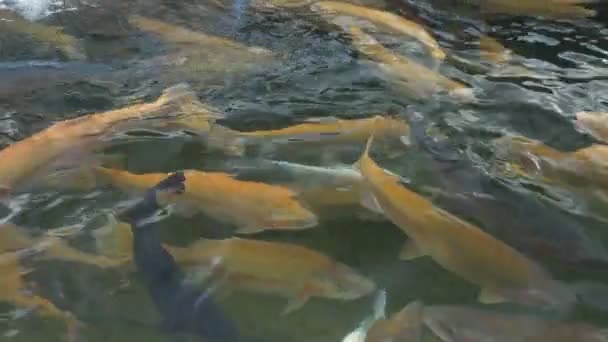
(313, 72)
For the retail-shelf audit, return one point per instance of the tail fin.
(368, 145)
(185, 97)
(360, 333)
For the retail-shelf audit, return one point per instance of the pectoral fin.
(250, 230)
(487, 296)
(411, 250)
(296, 303)
(369, 201)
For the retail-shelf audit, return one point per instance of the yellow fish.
(533, 159)
(251, 265)
(179, 35)
(414, 79)
(492, 50)
(385, 19)
(29, 157)
(451, 323)
(12, 290)
(251, 206)
(555, 9)
(331, 130)
(593, 123)
(460, 247)
(52, 35)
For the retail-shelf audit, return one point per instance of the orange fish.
(413, 79)
(460, 247)
(251, 206)
(385, 19)
(26, 159)
(284, 269)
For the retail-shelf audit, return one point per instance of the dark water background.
(315, 73)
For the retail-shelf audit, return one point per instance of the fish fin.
(226, 140)
(295, 303)
(322, 120)
(250, 230)
(66, 231)
(368, 146)
(487, 296)
(379, 309)
(186, 209)
(411, 250)
(370, 202)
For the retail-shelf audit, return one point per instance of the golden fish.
(180, 35)
(460, 247)
(332, 130)
(385, 19)
(593, 123)
(27, 158)
(414, 79)
(15, 239)
(533, 159)
(463, 324)
(493, 50)
(52, 35)
(12, 290)
(251, 206)
(556, 9)
(259, 266)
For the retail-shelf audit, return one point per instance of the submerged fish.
(414, 79)
(330, 130)
(556, 9)
(179, 35)
(585, 167)
(502, 272)
(13, 290)
(492, 50)
(265, 267)
(52, 35)
(277, 268)
(251, 206)
(464, 324)
(385, 19)
(593, 123)
(32, 156)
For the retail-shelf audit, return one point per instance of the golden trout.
(250, 265)
(414, 79)
(13, 290)
(594, 124)
(460, 247)
(250, 206)
(384, 19)
(533, 159)
(29, 157)
(51, 35)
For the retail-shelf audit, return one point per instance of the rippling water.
(313, 72)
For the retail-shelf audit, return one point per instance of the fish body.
(451, 323)
(52, 35)
(295, 272)
(250, 206)
(179, 35)
(337, 131)
(460, 247)
(385, 19)
(27, 157)
(414, 79)
(593, 123)
(555, 9)
(492, 50)
(581, 168)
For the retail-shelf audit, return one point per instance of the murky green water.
(314, 72)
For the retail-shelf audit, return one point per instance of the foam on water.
(33, 9)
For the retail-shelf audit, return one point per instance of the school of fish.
(72, 155)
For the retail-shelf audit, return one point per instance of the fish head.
(345, 283)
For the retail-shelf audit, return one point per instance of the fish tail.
(368, 145)
(185, 97)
